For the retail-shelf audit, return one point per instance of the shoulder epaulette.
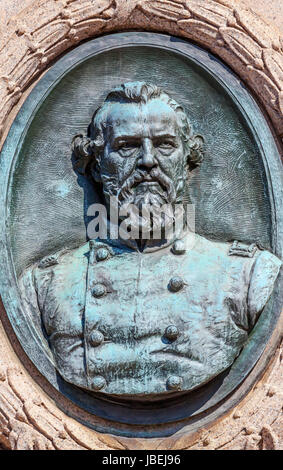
(241, 249)
(48, 261)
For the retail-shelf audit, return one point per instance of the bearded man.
(146, 317)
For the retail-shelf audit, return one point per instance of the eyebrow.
(166, 136)
(126, 137)
(135, 137)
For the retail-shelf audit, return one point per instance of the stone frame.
(32, 420)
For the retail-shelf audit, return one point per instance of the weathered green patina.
(131, 326)
(107, 309)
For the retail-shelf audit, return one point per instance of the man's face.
(144, 159)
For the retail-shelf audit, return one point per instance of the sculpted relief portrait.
(141, 227)
(144, 317)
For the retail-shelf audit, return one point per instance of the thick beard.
(153, 197)
(164, 194)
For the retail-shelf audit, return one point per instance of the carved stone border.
(29, 419)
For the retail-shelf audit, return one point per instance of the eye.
(165, 144)
(127, 148)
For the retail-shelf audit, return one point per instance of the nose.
(147, 159)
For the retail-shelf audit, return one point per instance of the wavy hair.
(88, 149)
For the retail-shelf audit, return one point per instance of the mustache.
(154, 175)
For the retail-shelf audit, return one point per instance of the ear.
(196, 151)
(94, 169)
(83, 153)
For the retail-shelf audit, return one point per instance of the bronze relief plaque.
(148, 333)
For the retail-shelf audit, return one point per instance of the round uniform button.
(96, 338)
(98, 290)
(102, 254)
(98, 383)
(171, 332)
(174, 383)
(176, 284)
(178, 247)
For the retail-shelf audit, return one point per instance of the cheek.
(174, 165)
(116, 166)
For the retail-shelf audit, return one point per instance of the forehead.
(139, 119)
